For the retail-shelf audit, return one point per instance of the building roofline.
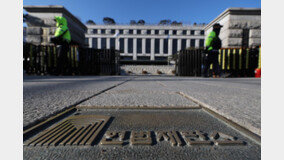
(234, 11)
(145, 26)
(53, 8)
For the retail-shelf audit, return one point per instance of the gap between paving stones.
(38, 123)
(242, 129)
(139, 107)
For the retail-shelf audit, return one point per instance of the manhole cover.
(140, 134)
(75, 130)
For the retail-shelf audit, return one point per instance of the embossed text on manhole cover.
(75, 130)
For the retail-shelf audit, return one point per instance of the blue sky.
(152, 11)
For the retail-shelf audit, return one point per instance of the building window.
(192, 43)
(166, 41)
(192, 32)
(103, 31)
(87, 41)
(130, 31)
(201, 43)
(148, 45)
(174, 32)
(245, 38)
(120, 31)
(166, 32)
(112, 31)
(139, 45)
(183, 44)
(95, 43)
(112, 43)
(174, 46)
(157, 46)
(138, 31)
(156, 32)
(202, 32)
(148, 31)
(121, 45)
(95, 31)
(184, 32)
(130, 45)
(103, 43)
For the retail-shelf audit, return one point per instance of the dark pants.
(211, 57)
(62, 60)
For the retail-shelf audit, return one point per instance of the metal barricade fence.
(42, 60)
(238, 62)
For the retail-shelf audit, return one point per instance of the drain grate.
(75, 130)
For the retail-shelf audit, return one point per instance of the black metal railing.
(42, 60)
(237, 62)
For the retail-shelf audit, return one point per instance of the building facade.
(41, 25)
(241, 27)
(145, 42)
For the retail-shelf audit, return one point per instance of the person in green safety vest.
(213, 44)
(62, 39)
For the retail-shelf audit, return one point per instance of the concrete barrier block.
(36, 39)
(254, 25)
(235, 33)
(234, 42)
(254, 42)
(34, 30)
(50, 22)
(245, 25)
(238, 25)
(255, 33)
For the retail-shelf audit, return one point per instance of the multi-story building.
(145, 42)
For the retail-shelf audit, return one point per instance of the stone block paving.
(140, 92)
(236, 99)
(44, 96)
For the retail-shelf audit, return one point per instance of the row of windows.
(148, 44)
(130, 31)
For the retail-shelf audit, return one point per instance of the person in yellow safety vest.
(213, 44)
(62, 39)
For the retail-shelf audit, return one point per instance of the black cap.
(217, 25)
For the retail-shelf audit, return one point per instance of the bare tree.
(175, 23)
(108, 21)
(141, 22)
(165, 22)
(90, 22)
(132, 22)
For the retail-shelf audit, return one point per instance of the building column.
(108, 43)
(178, 45)
(170, 48)
(187, 43)
(143, 46)
(99, 43)
(125, 45)
(161, 46)
(91, 42)
(197, 43)
(117, 43)
(135, 49)
(152, 58)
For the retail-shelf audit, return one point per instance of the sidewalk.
(235, 99)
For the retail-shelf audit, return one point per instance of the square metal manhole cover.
(141, 134)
